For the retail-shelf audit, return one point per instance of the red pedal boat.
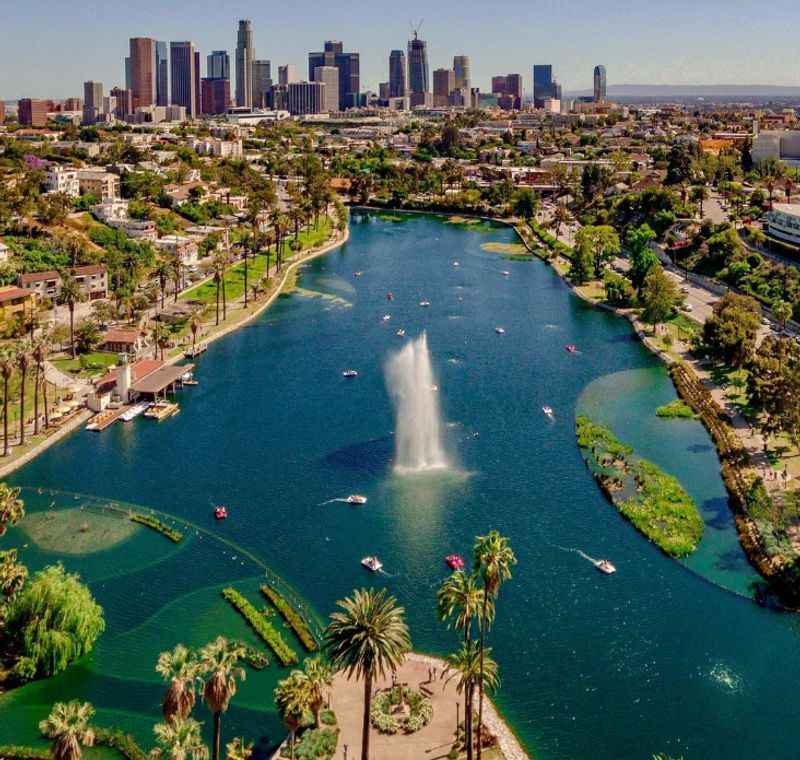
(220, 512)
(571, 348)
(454, 561)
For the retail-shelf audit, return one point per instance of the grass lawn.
(87, 365)
(594, 290)
(734, 384)
(234, 282)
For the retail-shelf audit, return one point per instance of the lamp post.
(458, 707)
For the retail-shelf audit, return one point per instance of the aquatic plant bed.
(285, 654)
(292, 617)
(255, 659)
(156, 524)
(24, 753)
(652, 500)
(676, 410)
(124, 743)
(389, 716)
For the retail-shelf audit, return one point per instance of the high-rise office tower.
(162, 74)
(444, 82)
(124, 101)
(329, 75)
(461, 68)
(397, 74)
(262, 83)
(184, 84)
(245, 55)
(128, 73)
(509, 88)
(498, 85)
(287, 74)
(215, 95)
(418, 80)
(305, 97)
(218, 65)
(143, 71)
(92, 101)
(349, 65)
(514, 88)
(599, 84)
(32, 113)
(197, 84)
(542, 84)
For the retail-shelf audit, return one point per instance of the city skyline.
(686, 56)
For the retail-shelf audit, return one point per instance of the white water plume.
(418, 437)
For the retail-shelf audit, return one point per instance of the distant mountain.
(695, 91)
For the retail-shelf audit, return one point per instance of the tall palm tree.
(460, 598)
(68, 727)
(320, 677)
(12, 508)
(13, 575)
(238, 749)
(163, 271)
(219, 660)
(293, 700)
(366, 637)
(494, 557)
(194, 326)
(23, 359)
(180, 740)
(39, 351)
(472, 668)
(179, 669)
(71, 294)
(6, 370)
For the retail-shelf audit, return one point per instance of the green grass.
(676, 410)
(87, 365)
(234, 282)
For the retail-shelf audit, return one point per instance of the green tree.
(7, 364)
(643, 259)
(320, 677)
(699, 194)
(526, 203)
(774, 386)
(582, 263)
(783, 311)
(619, 291)
(219, 661)
(660, 296)
(13, 575)
(730, 332)
(460, 601)
(12, 508)
(366, 637)
(293, 699)
(179, 668)
(53, 622)
(238, 749)
(180, 740)
(87, 337)
(22, 355)
(494, 558)
(603, 243)
(71, 294)
(68, 727)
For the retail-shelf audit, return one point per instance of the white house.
(63, 179)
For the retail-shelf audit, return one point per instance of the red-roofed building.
(15, 301)
(92, 279)
(122, 340)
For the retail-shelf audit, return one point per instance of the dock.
(105, 418)
(200, 348)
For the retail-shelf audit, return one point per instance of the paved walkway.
(430, 743)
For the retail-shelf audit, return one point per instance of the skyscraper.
(218, 65)
(184, 84)
(128, 73)
(542, 84)
(461, 68)
(197, 85)
(444, 82)
(162, 74)
(262, 82)
(349, 65)
(215, 94)
(509, 88)
(329, 75)
(92, 101)
(287, 74)
(305, 97)
(245, 54)
(397, 74)
(418, 80)
(599, 84)
(124, 101)
(143, 71)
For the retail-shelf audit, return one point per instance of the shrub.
(157, 525)
(261, 626)
(292, 617)
(676, 410)
(421, 711)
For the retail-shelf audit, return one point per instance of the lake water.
(663, 656)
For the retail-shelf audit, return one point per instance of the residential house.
(15, 301)
(184, 247)
(63, 179)
(122, 340)
(92, 279)
(104, 185)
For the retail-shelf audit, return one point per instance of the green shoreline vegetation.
(265, 630)
(153, 522)
(676, 410)
(653, 501)
(292, 617)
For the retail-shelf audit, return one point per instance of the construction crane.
(416, 28)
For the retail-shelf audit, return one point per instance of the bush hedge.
(156, 524)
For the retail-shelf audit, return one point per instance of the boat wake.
(725, 677)
(331, 501)
(572, 550)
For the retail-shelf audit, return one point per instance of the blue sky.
(48, 48)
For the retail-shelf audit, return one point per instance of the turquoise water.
(663, 656)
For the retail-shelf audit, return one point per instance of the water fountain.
(418, 439)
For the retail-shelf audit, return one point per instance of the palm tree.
(560, 216)
(460, 598)
(219, 660)
(783, 311)
(366, 637)
(41, 350)
(180, 739)
(320, 677)
(472, 668)
(493, 557)
(179, 669)
(293, 699)
(70, 295)
(12, 508)
(68, 727)
(23, 359)
(194, 327)
(6, 370)
(700, 194)
(238, 749)
(13, 575)
(163, 271)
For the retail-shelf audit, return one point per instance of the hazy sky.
(49, 48)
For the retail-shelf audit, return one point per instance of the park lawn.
(734, 384)
(206, 292)
(96, 363)
(594, 290)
